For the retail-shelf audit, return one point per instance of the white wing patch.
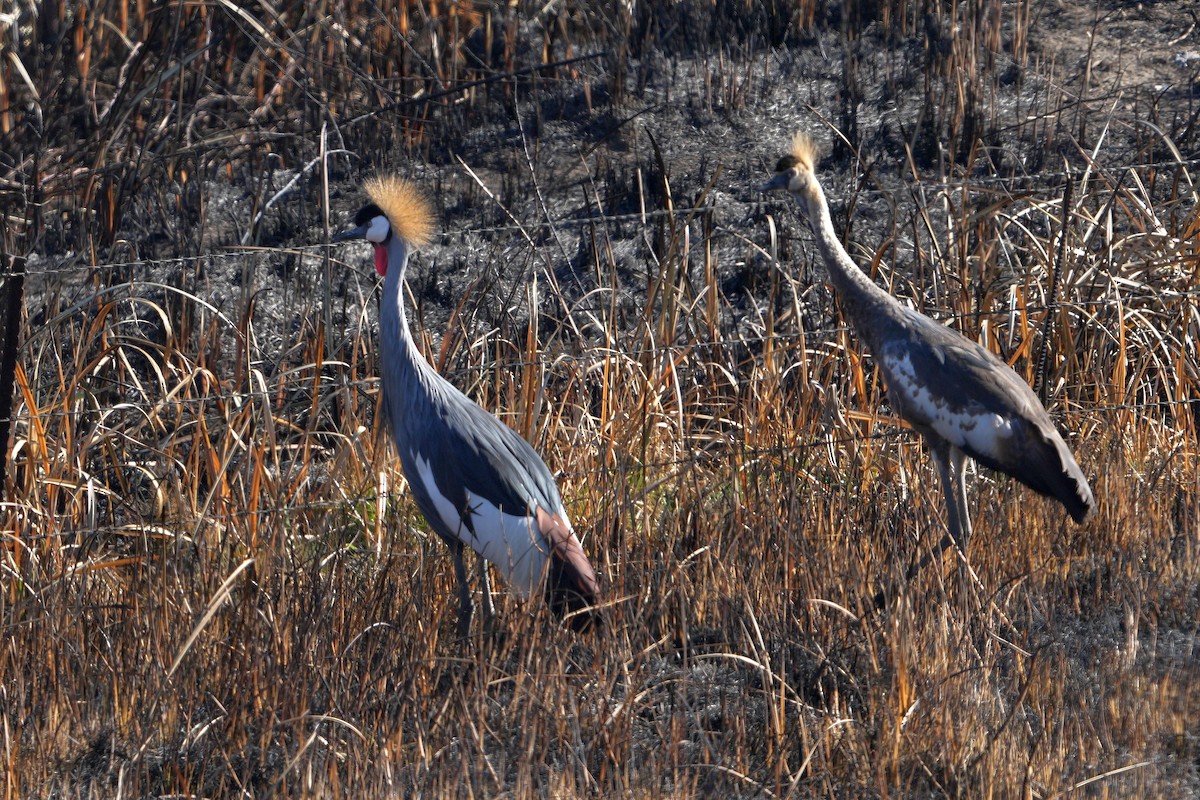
(982, 431)
(446, 510)
(512, 543)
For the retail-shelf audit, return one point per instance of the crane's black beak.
(780, 181)
(354, 233)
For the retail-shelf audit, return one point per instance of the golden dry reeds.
(213, 581)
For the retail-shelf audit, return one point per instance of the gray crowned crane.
(961, 398)
(476, 480)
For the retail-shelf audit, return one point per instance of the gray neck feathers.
(861, 299)
(402, 367)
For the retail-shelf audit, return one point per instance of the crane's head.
(397, 218)
(794, 171)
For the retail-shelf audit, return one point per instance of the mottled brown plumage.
(961, 398)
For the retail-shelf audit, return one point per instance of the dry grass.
(213, 582)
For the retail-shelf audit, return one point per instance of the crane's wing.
(492, 461)
(479, 482)
(948, 386)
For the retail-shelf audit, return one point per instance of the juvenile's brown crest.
(804, 150)
(407, 210)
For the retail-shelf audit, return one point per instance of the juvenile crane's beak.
(354, 233)
(780, 181)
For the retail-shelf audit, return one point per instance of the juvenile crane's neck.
(861, 298)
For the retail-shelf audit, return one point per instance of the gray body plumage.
(469, 451)
(476, 481)
(955, 381)
(959, 395)
(968, 380)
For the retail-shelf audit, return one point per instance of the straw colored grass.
(213, 581)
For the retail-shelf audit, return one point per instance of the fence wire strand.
(329, 384)
(1050, 180)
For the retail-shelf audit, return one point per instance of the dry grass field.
(213, 582)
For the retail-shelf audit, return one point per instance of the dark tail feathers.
(571, 587)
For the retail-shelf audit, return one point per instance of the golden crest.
(408, 212)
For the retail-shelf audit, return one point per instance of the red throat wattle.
(381, 260)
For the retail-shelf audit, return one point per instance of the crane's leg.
(464, 590)
(949, 460)
(949, 465)
(958, 468)
(954, 480)
(489, 608)
(965, 515)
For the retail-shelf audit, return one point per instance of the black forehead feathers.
(367, 213)
(786, 163)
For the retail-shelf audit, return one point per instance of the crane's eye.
(378, 230)
(786, 163)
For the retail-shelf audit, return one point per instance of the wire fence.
(305, 377)
(308, 376)
(368, 384)
(1045, 180)
(321, 251)
(325, 379)
(317, 377)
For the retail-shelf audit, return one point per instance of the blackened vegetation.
(214, 582)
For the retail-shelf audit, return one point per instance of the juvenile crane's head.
(397, 219)
(794, 171)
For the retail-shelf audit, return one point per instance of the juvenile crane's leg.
(949, 464)
(943, 456)
(958, 468)
(952, 465)
(464, 590)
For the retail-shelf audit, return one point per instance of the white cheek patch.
(378, 230)
(984, 432)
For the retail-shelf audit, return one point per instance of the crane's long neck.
(402, 367)
(861, 299)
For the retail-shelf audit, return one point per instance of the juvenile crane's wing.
(951, 387)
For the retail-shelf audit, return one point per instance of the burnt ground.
(700, 101)
(591, 169)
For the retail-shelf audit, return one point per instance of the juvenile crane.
(476, 480)
(958, 395)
